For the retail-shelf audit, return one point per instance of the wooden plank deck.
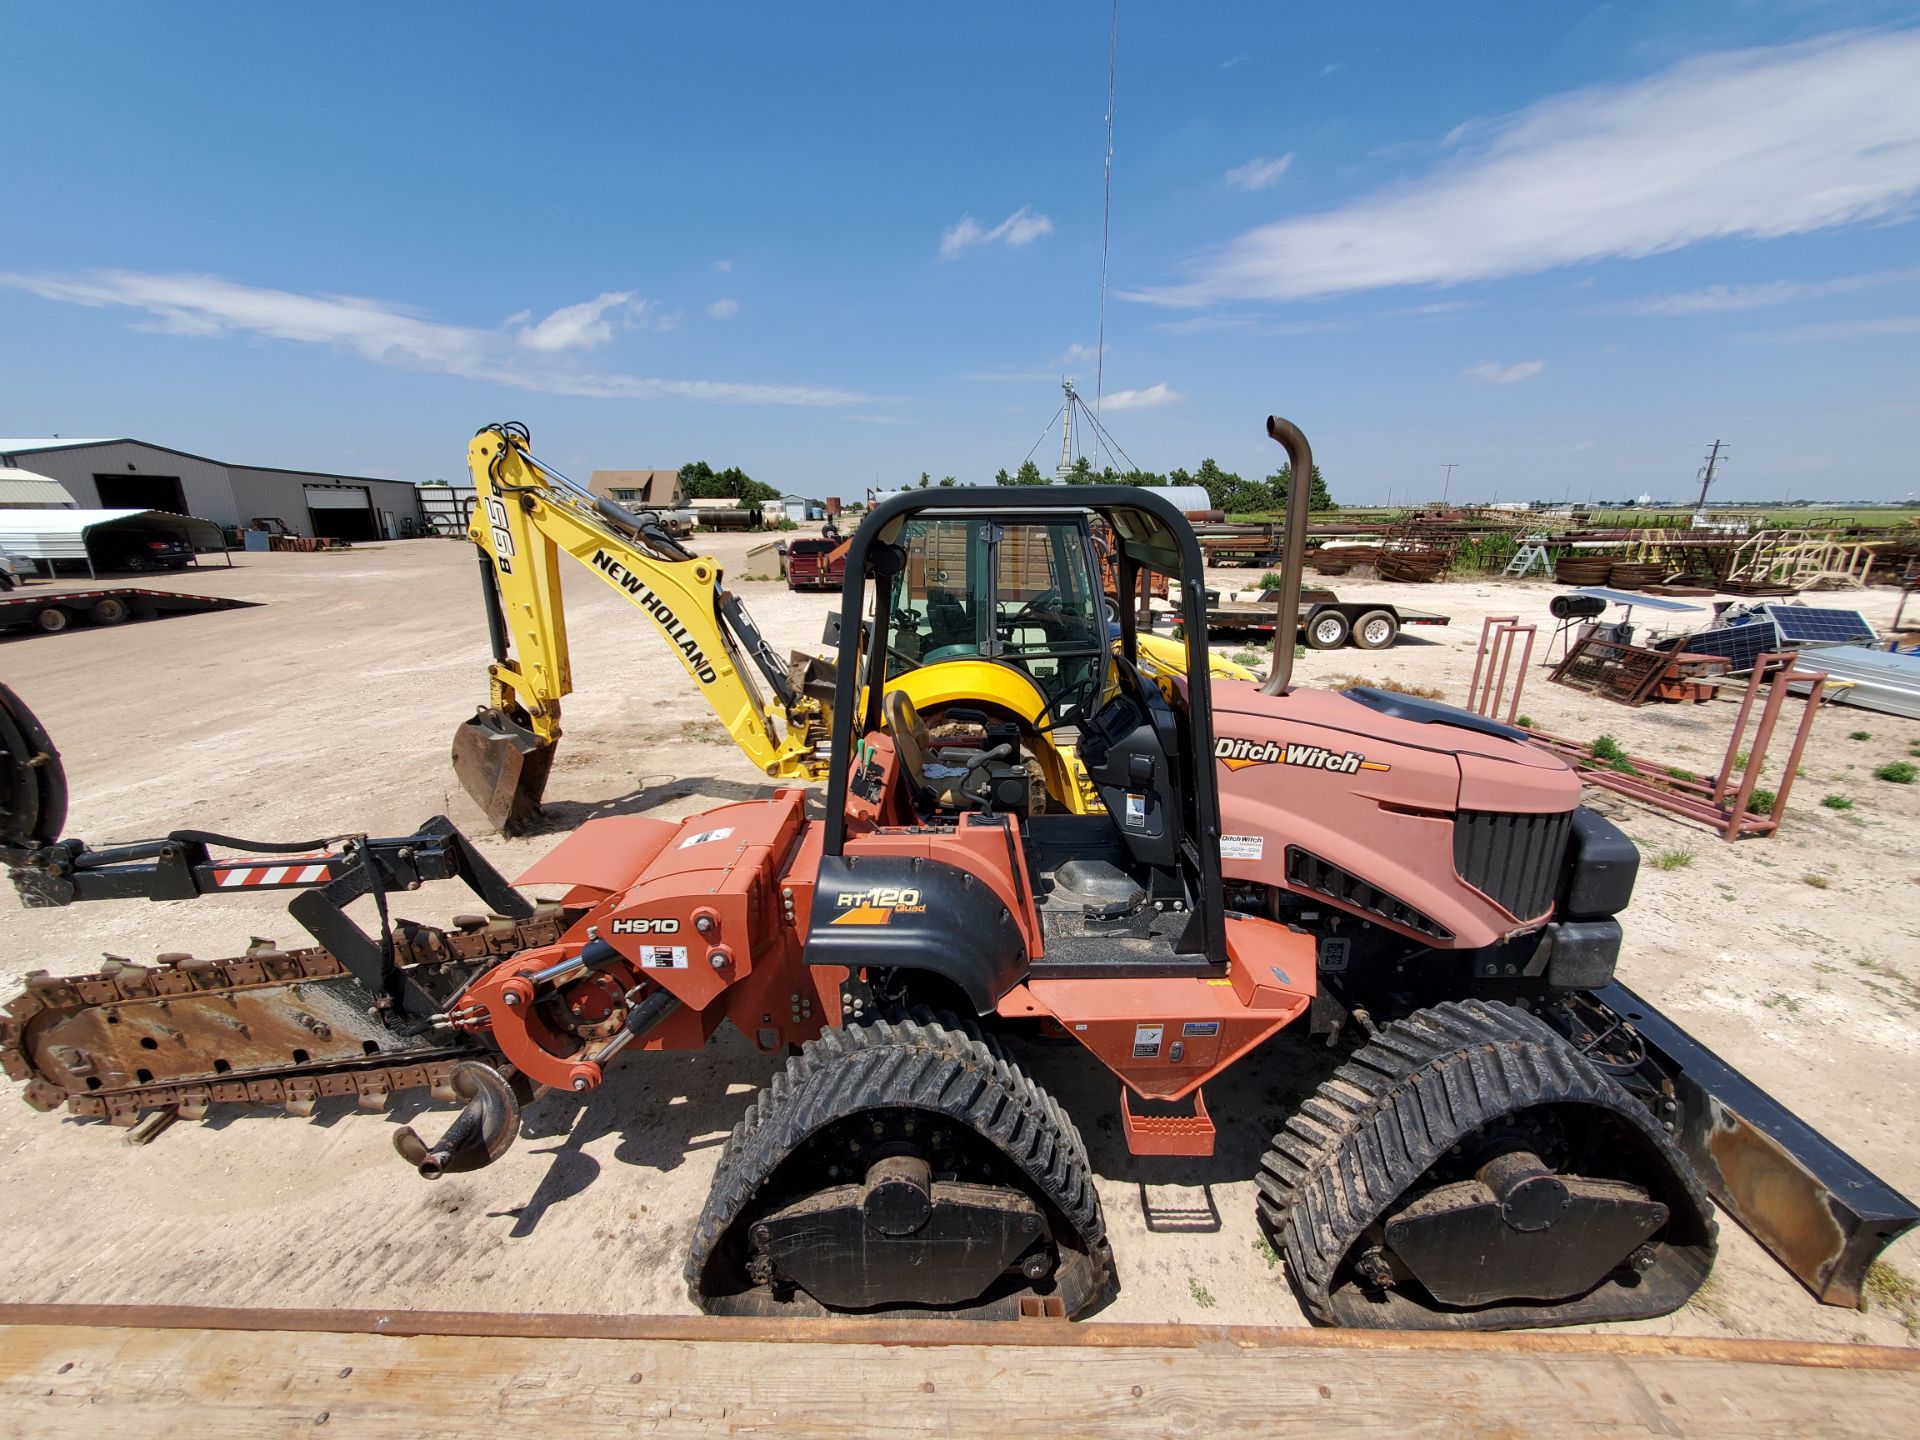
(139, 1371)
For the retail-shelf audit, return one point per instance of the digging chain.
(195, 992)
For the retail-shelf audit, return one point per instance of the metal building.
(127, 474)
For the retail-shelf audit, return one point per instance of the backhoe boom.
(527, 515)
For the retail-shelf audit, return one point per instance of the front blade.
(503, 766)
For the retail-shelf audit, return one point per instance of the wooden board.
(208, 1374)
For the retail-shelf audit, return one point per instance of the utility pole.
(1447, 484)
(1706, 476)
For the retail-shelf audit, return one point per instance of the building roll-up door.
(342, 511)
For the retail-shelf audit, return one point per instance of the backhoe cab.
(994, 624)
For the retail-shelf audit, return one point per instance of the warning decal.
(1146, 1041)
(663, 957)
(706, 836)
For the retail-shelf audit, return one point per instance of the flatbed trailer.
(1326, 621)
(52, 611)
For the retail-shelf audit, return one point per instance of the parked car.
(137, 548)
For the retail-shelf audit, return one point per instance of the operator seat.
(949, 777)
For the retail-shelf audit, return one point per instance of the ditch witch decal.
(663, 616)
(1237, 754)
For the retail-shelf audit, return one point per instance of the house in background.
(640, 489)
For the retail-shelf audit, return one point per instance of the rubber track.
(926, 1063)
(1401, 1102)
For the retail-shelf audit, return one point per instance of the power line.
(1447, 485)
(1106, 216)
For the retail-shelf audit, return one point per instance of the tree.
(736, 482)
(1318, 496)
(1029, 474)
(1080, 472)
(700, 481)
(1000, 476)
(925, 480)
(946, 480)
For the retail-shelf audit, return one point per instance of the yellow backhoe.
(986, 639)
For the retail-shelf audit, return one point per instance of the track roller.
(1468, 1169)
(901, 1168)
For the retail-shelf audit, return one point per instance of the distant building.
(797, 508)
(124, 474)
(640, 489)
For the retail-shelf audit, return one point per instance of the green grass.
(1525, 722)
(1201, 1295)
(1270, 581)
(1244, 657)
(1761, 802)
(1897, 772)
(1605, 747)
(1670, 859)
(1837, 802)
(1861, 735)
(1674, 772)
(1887, 1289)
(1263, 1247)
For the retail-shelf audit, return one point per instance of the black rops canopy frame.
(1148, 534)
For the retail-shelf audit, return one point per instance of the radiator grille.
(1307, 871)
(1515, 860)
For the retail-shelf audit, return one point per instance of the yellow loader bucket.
(504, 766)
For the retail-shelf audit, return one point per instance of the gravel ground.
(330, 707)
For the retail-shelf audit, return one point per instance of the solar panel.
(1740, 645)
(1803, 624)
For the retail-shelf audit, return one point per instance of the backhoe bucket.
(503, 766)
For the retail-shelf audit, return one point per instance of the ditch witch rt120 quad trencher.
(1505, 1135)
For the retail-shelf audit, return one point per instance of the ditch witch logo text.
(1237, 754)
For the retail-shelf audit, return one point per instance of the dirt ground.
(330, 708)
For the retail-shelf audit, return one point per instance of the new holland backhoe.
(1499, 1132)
(993, 630)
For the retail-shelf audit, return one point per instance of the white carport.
(62, 534)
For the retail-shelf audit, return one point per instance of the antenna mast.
(1065, 472)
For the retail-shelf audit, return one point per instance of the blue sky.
(1563, 248)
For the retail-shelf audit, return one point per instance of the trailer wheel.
(108, 610)
(53, 619)
(1328, 630)
(1375, 630)
(1113, 609)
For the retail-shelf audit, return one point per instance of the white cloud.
(1139, 399)
(1022, 227)
(582, 326)
(1259, 172)
(1849, 329)
(1774, 292)
(723, 267)
(1504, 374)
(724, 309)
(1757, 143)
(206, 306)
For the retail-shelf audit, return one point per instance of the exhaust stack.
(1294, 558)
